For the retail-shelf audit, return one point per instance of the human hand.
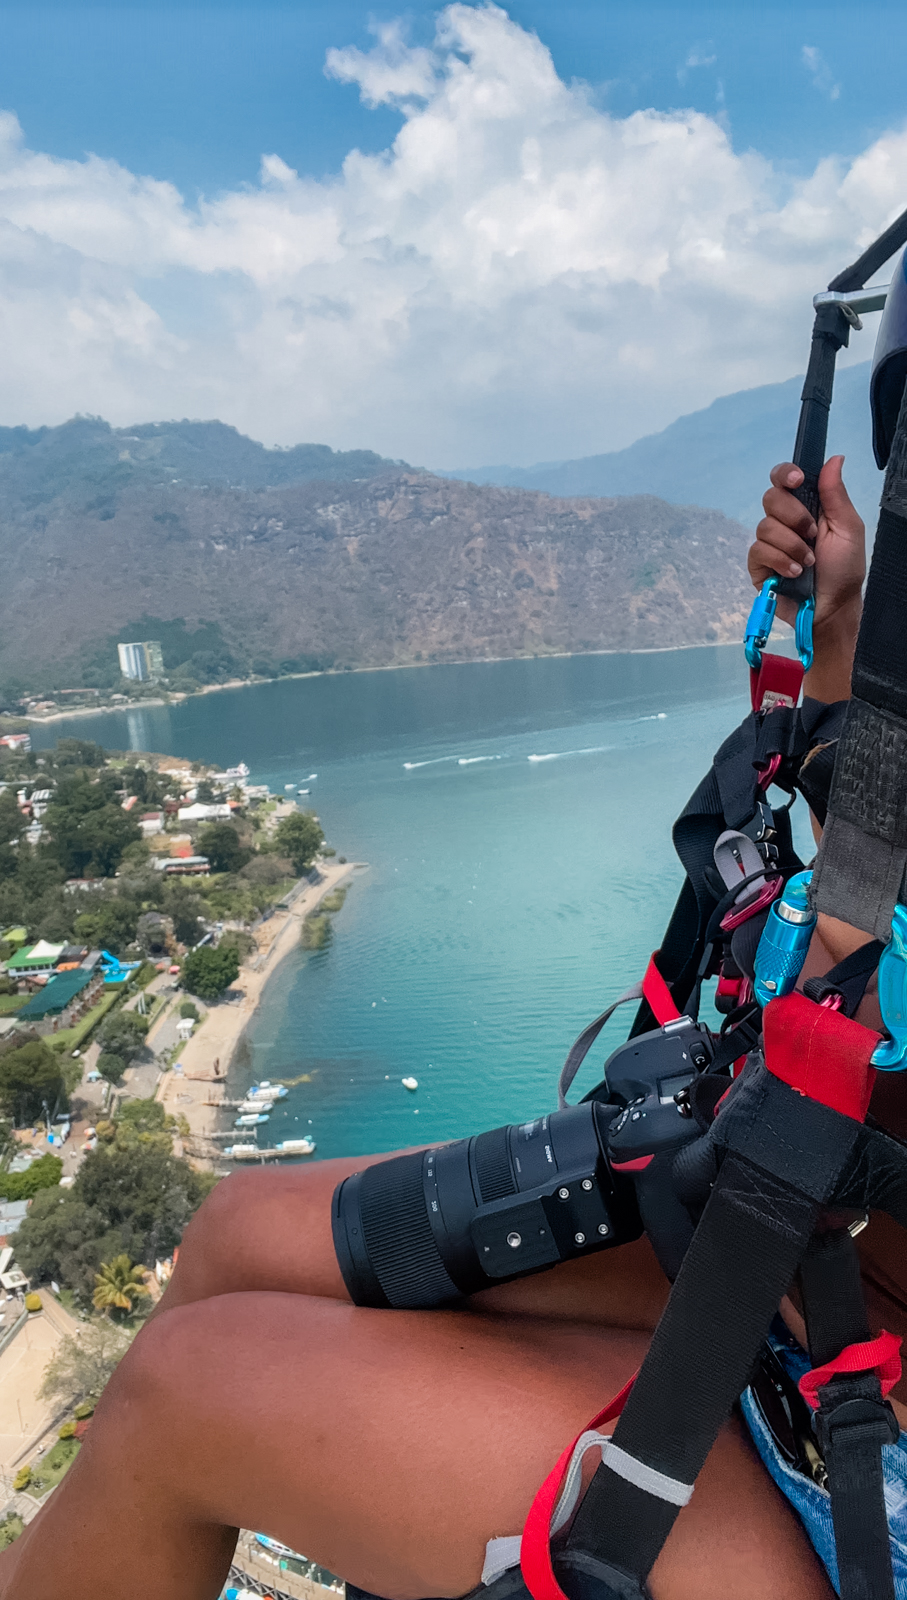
(839, 555)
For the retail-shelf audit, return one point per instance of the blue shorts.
(813, 1503)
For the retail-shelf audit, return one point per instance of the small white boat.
(303, 791)
(252, 1119)
(242, 1152)
(249, 1108)
(289, 786)
(410, 1083)
(296, 1147)
(266, 1090)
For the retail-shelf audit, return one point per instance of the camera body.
(426, 1228)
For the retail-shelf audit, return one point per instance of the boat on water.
(303, 791)
(296, 1147)
(410, 1083)
(266, 1090)
(277, 1152)
(276, 1548)
(289, 786)
(242, 1152)
(251, 1119)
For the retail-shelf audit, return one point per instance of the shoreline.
(347, 672)
(190, 1086)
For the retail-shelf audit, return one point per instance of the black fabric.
(869, 789)
(739, 1265)
(580, 1576)
(853, 1424)
(880, 661)
(849, 978)
(833, 1307)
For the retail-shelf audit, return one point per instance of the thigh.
(271, 1230)
(389, 1446)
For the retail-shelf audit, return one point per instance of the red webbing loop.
(820, 1053)
(658, 994)
(535, 1547)
(777, 683)
(880, 1355)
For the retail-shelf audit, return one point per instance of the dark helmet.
(889, 365)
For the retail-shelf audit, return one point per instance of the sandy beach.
(194, 1086)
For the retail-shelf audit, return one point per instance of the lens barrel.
(424, 1229)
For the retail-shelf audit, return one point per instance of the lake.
(515, 816)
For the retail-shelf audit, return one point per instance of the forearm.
(828, 679)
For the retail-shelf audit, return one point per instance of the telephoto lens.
(424, 1229)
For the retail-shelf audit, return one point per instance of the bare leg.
(388, 1446)
(272, 1231)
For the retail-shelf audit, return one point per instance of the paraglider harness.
(779, 1167)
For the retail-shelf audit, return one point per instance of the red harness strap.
(535, 1548)
(777, 683)
(658, 994)
(880, 1355)
(820, 1053)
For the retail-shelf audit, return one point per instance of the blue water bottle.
(785, 940)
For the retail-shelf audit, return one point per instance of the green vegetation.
(300, 837)
(316, 932)
(209, 971)
(334, 901)
(110, 1066)
(188, 1008)
(22, 1478)
(81, 1367)
(31, 1077)
(131, 1197)
(33, 1302)
(42, 1174)
(118, 1286)
(46, 1473)
(221, 843)
(10, 1528)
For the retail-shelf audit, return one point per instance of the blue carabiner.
(891, 1054)
(762, 616)
(759, 622)
(803, 631)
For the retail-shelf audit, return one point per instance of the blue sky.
(198, 93)
(568, 223)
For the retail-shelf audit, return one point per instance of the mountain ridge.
(719, 456)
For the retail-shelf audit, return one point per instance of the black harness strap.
(782, 1157)
(853, 1421)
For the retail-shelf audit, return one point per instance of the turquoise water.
(515, 817)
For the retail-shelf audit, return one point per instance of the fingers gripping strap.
(535, 1549)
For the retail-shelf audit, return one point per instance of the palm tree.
(117, 1284)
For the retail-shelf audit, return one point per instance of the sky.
(459, 235)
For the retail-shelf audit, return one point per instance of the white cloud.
(696, 57)
(820, 72)
(520, 277)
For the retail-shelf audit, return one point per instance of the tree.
(186, 910)
(122, 1033)
(111, 1066)
(188, 1008)
(110, 925)
(207, 972)
(300, 837)
(131, 1197)
(31, 1077)
(89, 831)
(151, 933)
(12, 827)
(118, 1285)
(42, 1174)
(221, 843)
(82, 1366)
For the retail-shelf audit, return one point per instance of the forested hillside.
(385, 569)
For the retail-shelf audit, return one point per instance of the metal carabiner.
(760, 621)
(891, 1054)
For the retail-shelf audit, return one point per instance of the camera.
(426, 1228)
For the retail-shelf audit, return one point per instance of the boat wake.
(471, 761)
(559, 755)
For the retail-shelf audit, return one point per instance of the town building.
(141, 662)
(63, 1001)
(20, 742)
(34, 959)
